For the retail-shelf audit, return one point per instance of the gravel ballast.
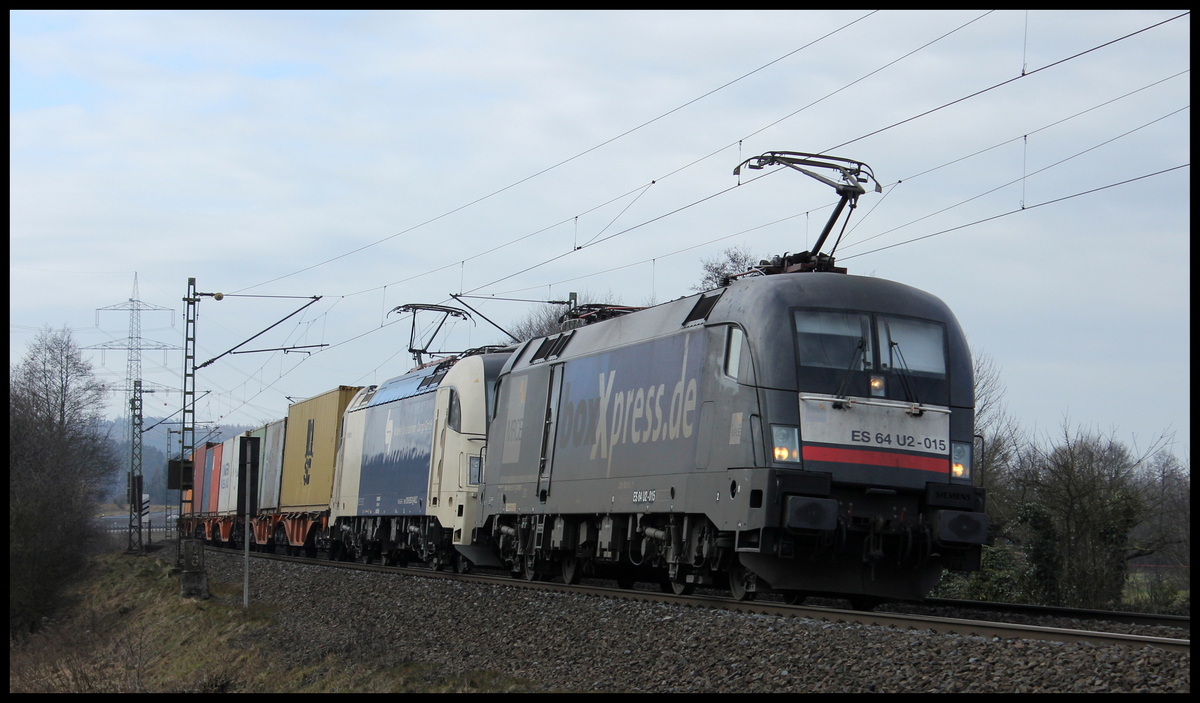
(570, 642)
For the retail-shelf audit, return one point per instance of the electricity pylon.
(134, 389)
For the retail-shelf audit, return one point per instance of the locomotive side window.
(834, 340)
(733, 351)
(913, 346)
(454, 415)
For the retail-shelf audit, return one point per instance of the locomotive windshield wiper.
(903, 372)
(859, 348)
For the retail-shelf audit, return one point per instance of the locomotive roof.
(751, 302)
(427, 378)
(759, 305)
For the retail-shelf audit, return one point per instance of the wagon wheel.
(572, 569)
(739, 581)
(462, 565)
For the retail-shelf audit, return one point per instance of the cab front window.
(834, 340)
(915, 346)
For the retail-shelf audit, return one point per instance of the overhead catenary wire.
(909, 119)
(570, 159)
(652, 182)
(1004, 83)
(1022, 179)
(1019, 209)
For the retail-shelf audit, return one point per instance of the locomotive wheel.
(462, 565)
(529, 567)
(625, 581)
(572, 569)
(738, 579)
(678, 585)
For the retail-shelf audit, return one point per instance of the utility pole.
(191, 552)
(134, 389)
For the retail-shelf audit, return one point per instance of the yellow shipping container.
(310, 450)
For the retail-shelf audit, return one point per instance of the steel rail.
(1181, 622)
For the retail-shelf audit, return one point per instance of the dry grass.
(127, 630)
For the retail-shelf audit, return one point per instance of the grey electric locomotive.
(805, 431)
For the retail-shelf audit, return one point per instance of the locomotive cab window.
(913, 353)
(733, 351)
(859, 354)
(834, 350)
(914, 346)
(834, 340)
(454, 414)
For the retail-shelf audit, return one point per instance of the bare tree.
(733, 260)
(1164, 537)
(59, 464)
(1080, 505)
(1002, 443)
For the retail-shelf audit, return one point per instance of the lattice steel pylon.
(134, 388)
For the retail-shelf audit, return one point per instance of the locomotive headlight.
(787, 442)
(877, 387)
(960, 460)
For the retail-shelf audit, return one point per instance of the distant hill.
(160, 440)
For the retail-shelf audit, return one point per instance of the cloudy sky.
(1036, 173)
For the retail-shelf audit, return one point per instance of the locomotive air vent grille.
(432, 380)
(551, 347)
(543, 350)
(559, 345)
(702, 307)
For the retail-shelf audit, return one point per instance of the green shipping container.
(310, 450)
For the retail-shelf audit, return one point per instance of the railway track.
(904, 621)
(1181, 622)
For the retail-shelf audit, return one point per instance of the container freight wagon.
(306, 485)
(193, 523)
(212, 469)
(239, 466)
(227, 495)
(270, 463)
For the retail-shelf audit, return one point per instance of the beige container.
(310, 450)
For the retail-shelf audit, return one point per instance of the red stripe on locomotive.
(860, 456)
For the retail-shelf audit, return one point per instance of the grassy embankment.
(126, 629)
